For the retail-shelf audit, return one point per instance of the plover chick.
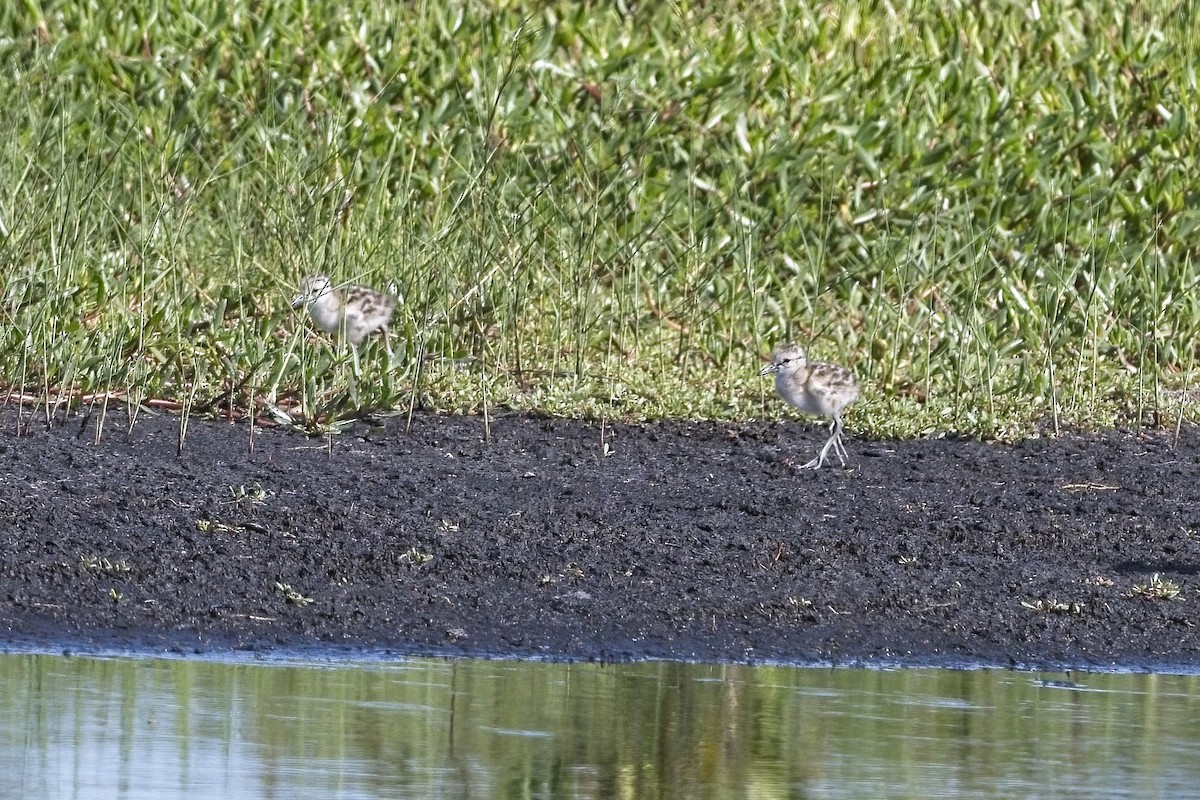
(814, 387)
(356, 310)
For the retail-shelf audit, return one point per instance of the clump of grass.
(1052, 606)
(254, 495)
(1157, 588)
(291, 595)
(105, 566)
(984, 210)
(416, 557)
(213, 526)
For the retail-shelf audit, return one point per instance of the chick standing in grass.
(355, 310)
(814, 387)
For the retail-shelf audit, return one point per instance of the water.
(143, 728)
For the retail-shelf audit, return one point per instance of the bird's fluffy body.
(814, 387)
(356, 309)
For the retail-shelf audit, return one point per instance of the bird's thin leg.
(816, 463)
(840, 449)
(831, 443)
(839, 446)
(834, 442)
(819, 461)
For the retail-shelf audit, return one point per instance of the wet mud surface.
(560, 539)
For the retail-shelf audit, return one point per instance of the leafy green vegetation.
(988, 211)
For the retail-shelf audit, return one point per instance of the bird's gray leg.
(819, 461)
(814, 464)
(840, 449)
(839, 445)
(834, 442)
(831, 443)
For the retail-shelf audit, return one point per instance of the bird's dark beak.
(769, 369)
(299, 300)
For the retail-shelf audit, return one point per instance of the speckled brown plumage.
(355, 310)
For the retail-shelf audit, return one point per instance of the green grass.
(990, 214)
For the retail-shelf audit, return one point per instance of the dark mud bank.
(681, 540)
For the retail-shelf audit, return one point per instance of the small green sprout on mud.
(801, 609)
(415, 557)
(116, 569)
(1053, 606)
(1156, 589)
(255, 496)
(291, 595)
(115, 595)
(208, 525)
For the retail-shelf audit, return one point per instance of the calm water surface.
(88, 728)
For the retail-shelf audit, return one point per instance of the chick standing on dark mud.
(814, 387)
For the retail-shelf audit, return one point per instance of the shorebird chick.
(814, 387)
(355, 310)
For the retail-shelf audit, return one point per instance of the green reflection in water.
(121, 727)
